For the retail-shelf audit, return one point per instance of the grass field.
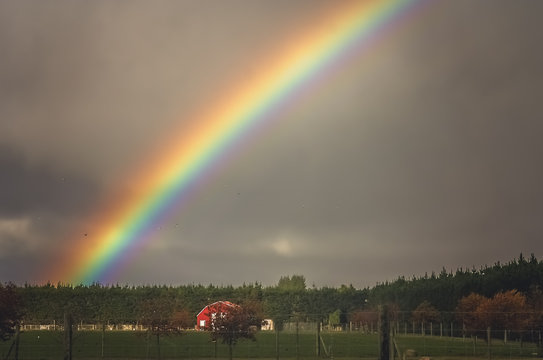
(197, 345)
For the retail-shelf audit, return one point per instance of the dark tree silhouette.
(162, 318)
(10, 311)
(237, 323)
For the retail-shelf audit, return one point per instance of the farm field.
(197, 345)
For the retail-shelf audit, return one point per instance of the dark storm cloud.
(96, 84)
(28, 188)
(446, 175)
(424, 153)
(40, 204)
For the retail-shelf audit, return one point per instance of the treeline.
(122, 304)
(289, 299)
(445, 289)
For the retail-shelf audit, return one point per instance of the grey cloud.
(26, 188)
(423, 153)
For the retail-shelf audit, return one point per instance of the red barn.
(203, 319)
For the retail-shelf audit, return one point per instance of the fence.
(298, 338)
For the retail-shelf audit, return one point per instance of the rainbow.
(347, 32)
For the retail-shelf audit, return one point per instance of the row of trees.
(510, 311)
(445, 288)
(290, 299)
(123, 304)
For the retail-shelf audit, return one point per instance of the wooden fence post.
(489, 342)
(277, 341)
(384, 334)
(297, 339)
(68, 335)
(318, 343)
(17, 337)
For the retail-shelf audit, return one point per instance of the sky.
(421, 153)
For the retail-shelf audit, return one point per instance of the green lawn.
(457, 347)
(136, 345)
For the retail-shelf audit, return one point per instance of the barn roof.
(217, 303)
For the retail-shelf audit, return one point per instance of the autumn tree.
(505, 311)
(236, 323)
(508, 311)
(467, 312)
(425, 313)
(394, 313)
(161, 318)
(535, 304)
(368, 319)
(364, 319)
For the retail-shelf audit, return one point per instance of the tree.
(236, 323)
(508, 311)
(365, 319)
(467, 312)
(535, 303)
(292, 283)
(10, 311)
(505, 311)
(276, 307)
(425, 313)
(334, 319)
(161, 318)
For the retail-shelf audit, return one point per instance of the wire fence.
(297, 337)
